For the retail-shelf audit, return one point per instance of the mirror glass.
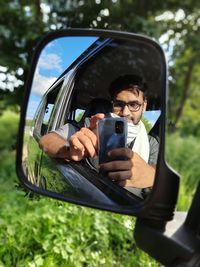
(75, 78)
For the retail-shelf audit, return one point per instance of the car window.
(44, 117)
(78, 114)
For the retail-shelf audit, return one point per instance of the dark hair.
(98, 105)
(133, 83)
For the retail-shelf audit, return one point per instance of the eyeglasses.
(133, 106)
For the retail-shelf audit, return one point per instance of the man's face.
(129, 97)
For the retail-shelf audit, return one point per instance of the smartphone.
(112, 133)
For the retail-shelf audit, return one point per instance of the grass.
(49, 233)
(183, 153)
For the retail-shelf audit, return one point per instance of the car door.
(41, 124)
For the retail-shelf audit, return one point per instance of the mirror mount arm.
(193, 217)
(179, 241)
(163, 198)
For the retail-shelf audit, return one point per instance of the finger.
(76, 149)
(76, 154)
(91, 136)
(83, 143)
(121, 152)
(116, 165)
(119, 176)
(123, 183)
(74, 142)
(94, 119)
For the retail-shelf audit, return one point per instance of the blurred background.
(37, 231)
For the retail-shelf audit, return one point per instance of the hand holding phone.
(112, 133)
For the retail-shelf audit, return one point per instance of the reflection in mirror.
(77, 82)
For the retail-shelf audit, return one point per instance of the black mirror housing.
(77, 77)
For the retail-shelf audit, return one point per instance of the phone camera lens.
(119, 127)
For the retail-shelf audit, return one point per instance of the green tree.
(22, 23)
(20, 26)
(181, 33)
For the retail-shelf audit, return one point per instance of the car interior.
(87, 100)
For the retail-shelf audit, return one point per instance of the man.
(128, 95)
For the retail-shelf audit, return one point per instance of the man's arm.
(75, 147)
(80, 144)
(54, 145)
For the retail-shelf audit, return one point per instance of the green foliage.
(79, 116)
(182, 44)
(49, 233)
(182, 153)
(8, 130)
(147, 124)
(189, 123)
(20, 26)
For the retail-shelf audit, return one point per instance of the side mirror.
(70, 69)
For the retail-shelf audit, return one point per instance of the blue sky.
(62, 52)
(152, 116)
(54, 59)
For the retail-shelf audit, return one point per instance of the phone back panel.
(109, 137)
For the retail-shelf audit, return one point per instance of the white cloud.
(41, 83)
(50, 61)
